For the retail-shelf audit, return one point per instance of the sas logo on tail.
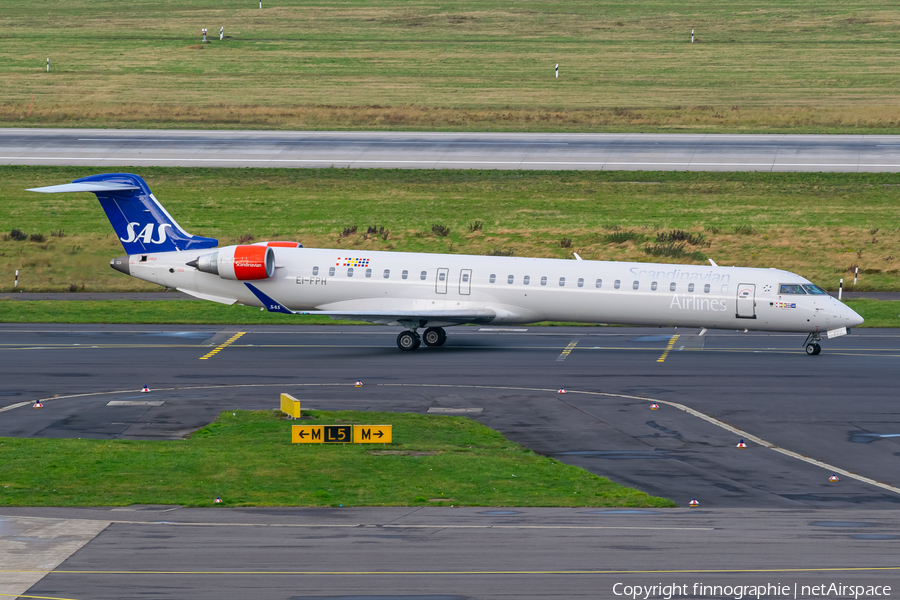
(146, 234)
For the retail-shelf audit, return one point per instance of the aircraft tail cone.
(693, 503)
(741, 444)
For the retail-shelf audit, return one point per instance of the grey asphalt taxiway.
(105, 148)
(768, 513)
(838, 408)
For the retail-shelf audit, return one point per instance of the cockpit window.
(791, 289)
(813, 289)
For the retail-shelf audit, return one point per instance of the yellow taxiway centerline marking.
(537, 572)
(565, 353)
(668, 348)
(222, 346)
(38, 597)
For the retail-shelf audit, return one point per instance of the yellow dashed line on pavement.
(565, 353)
(221, 347)
(668, 349)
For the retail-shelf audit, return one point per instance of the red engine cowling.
(243, 263)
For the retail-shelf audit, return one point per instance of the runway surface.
(768, 513)
(105, 148)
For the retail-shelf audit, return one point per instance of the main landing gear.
(410, 340)
(812, 344)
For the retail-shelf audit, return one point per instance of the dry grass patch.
(411, 65)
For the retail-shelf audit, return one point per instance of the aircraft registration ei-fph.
(434, 291)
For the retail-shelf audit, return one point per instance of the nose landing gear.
(812, 344)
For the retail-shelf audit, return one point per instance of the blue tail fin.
(140, 221)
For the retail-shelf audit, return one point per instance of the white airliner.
(434, 291)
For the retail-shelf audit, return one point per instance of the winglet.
(712, 262)
(270, 304)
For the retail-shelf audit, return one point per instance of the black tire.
(818, 349)
(408, 341)
(813, 348)
(434, 336)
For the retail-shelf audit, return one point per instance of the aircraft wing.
(458, 317)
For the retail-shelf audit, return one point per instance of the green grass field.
(820, 226)
(766, 65)
(247, 459)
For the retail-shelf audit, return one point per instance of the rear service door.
(440, 284)
(746, 301)
(465, 282)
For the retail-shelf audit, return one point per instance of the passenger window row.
(617, 284)
(598, 284)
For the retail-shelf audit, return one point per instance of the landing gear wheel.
(434, 336)
(408, 341)
(813, 349)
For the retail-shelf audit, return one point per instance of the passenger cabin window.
(493, 278)
(813, 289)
(331, 272)
(510, 279)
(598, 284)
(544, 280)
(404, 274)
(562, 282)
(653, 286)
(315, 270)
(580, 282)
(617, 284)
(672, 287)
(706, 289)
(526, 280)
(635, 285)
(350, 272)
(724, 289)
(423, 275)
(465, 277)
(690, 287)
(368, 272)
(791, 289)
(442, 276)
(387, 273)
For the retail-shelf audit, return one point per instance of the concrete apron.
(32, 547)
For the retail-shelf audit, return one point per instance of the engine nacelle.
(241, 263)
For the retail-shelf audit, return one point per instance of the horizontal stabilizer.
(97, 186)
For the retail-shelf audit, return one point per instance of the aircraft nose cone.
(853, 318)
(121, 264)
